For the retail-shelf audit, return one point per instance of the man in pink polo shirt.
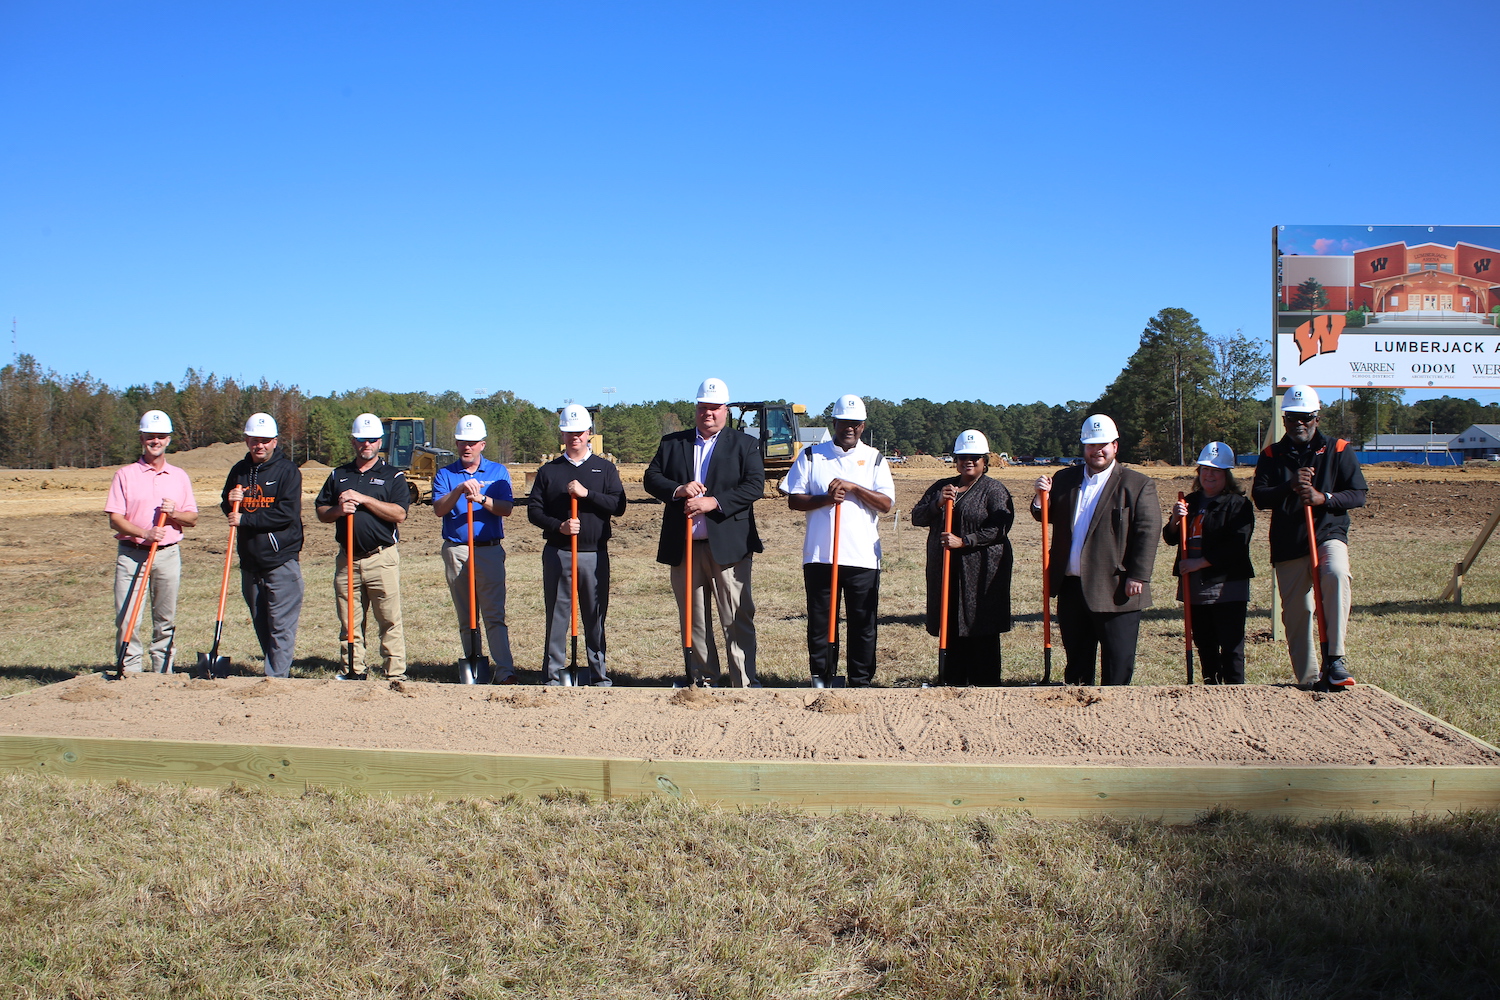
(140, 491)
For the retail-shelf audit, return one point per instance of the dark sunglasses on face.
(1301, 418)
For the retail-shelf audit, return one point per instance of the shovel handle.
(473, 616)
(573, 542)
(349, 574)
(1186, 589)
(833, 586)
(687, 588)
(140, 591)
(943, 601)
(234, 508)
(1045, 497)
(1315, 565)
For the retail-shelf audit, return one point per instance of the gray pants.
(593, 605)
(489, 596)
(274, 598)
(166, 574)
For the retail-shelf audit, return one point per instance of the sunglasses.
(367, 440)
(1301, 418)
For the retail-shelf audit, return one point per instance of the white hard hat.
(713, 390)
(367, 425)
(260, 425)
(1216, 455)
(1098, 429)
(155, 422)
(574, 417)
(971, 442)
(1301, 399)
(469, 428)
(849, 408)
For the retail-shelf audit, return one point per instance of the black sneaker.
(1336, 676)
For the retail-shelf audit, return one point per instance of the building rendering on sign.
(1396, 281)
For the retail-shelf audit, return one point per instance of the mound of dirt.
(924, 462)
(213, 456)
(315, 465)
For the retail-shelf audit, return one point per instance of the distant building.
(1410, 442)
(1479, 441)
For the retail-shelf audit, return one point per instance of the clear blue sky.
(949, 200)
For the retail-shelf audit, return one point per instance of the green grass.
(173, 893)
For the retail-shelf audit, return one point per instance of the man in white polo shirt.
(853, 478)
(139, 493)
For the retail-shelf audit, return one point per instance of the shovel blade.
(211, 667)
(471, 668)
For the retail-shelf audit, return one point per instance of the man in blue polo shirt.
(486, 485)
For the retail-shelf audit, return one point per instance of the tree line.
(1180, 389)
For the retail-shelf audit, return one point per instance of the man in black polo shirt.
(375, 492)
(595, 482)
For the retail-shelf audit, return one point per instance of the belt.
(143, 548)
(478, 545)
(371, 552)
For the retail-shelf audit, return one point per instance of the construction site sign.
(1396, 307)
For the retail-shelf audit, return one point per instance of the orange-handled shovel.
(349, 617)
(1046, 496)
(475, 666)
(1317, 584)
(573, 677)
(142, 578)
(1187, 593)
(211, 664)
(943, 601)
(687, 604)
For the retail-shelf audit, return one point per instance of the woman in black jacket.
(979, 563)
(1220, 522)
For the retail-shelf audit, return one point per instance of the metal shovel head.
(470, 669)
(212, 667)
(567, 678)
(578, 677)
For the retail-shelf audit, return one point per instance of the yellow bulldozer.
(405, 446)
(777, 428)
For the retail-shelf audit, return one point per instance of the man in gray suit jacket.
(713, 476)
(1106, 522)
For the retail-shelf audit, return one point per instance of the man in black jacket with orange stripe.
(268, 487)
(1306, 469)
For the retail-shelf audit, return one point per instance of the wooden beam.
(1455, 585)
(1174, 794)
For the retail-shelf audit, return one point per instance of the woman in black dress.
(979, 562)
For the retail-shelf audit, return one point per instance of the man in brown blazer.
(1106, 522)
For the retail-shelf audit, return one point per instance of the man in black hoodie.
(268, 487)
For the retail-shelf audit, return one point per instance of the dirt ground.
(54, 518)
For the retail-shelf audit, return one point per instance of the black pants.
(1219, 634)
(971, 660)
(1111, 635)
(860, 590)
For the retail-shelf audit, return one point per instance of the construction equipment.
(405, 446)
(777, 428)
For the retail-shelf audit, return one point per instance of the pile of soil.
(1162, 726)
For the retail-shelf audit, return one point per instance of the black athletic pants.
(972, 660)
(1111, 635)
(860, 589)
(1219, 634)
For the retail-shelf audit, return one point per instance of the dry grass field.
(144, 891)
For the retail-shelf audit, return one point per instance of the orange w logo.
(1319, 335)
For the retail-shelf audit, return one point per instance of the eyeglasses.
(367, 440)
(1301, 418)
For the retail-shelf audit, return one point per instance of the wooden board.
(1174, 794)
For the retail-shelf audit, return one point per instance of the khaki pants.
(489, 595)
(166, 573)
(731, 591)
(1298, 613)
(377, 587)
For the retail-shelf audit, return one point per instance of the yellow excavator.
(405, 446)
(777, 428)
